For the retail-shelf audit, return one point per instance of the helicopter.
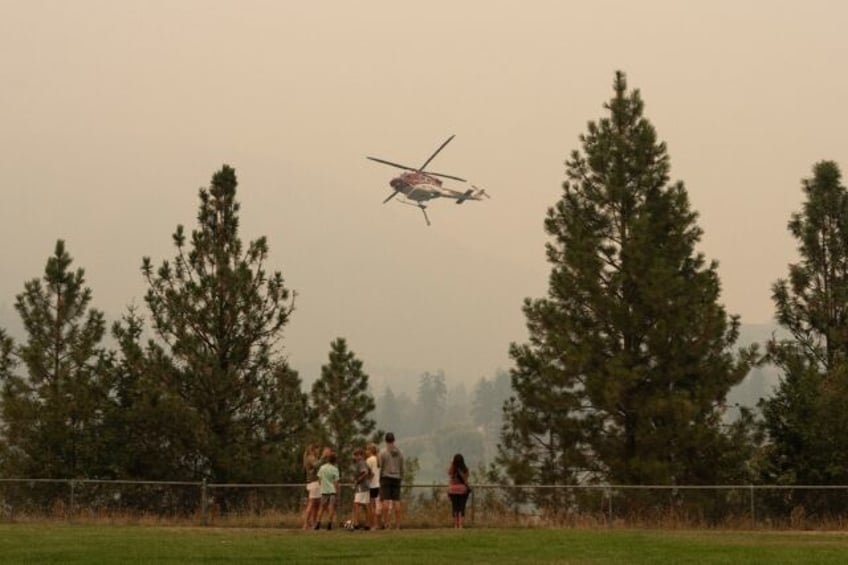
(418, 186)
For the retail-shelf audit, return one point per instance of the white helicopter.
(418, 186)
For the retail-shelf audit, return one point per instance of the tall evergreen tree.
(393, 413)
(149, 426)
(8, 363)
(7, 358)
(53, 415)
(629, 359)
(431, 402)
(221, 317)
(488, 402)
(805, 419)
(343, 403)
(487, 409)
(457, 406)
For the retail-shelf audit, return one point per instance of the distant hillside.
(759, 333)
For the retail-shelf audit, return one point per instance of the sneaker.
(329, 526)
(317, 526)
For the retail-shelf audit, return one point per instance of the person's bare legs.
(306, 513)
(324, 506)
(310, 513)
(316, 506)
(332, 516)
(397, 512)
(369, 514)
(358, 510)
(386, 506)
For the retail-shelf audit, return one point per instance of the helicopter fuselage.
(419, 187)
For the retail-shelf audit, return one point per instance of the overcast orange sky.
(113, 114)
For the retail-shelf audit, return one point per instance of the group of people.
(377, 480)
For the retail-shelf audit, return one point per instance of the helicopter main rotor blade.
(399, 166)
(392, 195)
(445, 176)
(433, 156)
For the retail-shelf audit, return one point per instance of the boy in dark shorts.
(391, 474)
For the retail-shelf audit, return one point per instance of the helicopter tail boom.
(472, 193)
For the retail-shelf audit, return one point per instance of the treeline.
(438, 420)
(624, 378)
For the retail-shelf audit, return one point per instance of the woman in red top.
(458, 489)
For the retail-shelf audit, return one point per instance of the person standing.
(328, 475)
(362, 491)
(458, 489)
(311, 463)
(391, 474)
(374, 486)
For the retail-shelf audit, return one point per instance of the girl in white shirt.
(374, 505)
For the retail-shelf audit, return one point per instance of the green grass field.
(52, 543)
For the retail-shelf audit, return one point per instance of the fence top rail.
(664, 487)
(102, 481)
(260, 485)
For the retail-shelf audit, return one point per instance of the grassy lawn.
(57, 543)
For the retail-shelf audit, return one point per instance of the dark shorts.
(458, 502)
(389, 488)
(375, 492)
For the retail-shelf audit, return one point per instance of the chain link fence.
(425, 506)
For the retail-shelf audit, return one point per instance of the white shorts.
(362, 497)
(314, 489)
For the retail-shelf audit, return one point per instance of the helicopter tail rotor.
(480, 192)
(473, 193)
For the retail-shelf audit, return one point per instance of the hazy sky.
(114, 113)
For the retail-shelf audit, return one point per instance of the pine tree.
(628, 362)
(488, 402)
(805, 419)
(221, 317)
(150, 426)
(7, 358)
(53, 415)
(343, 403)
(8, 364)
(431, 402)
(393, 413)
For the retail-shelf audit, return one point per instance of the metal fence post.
(609, 507)
(471, 494)
(753, 514)
(204, 504)
(71, 502)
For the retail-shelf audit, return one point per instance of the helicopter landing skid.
(418, 205)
